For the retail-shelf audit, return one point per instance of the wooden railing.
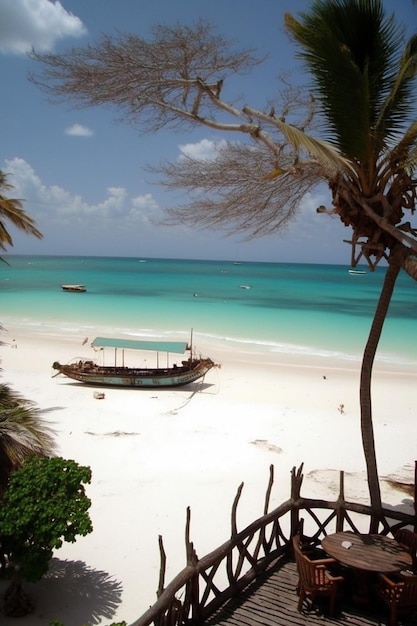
(205, 584)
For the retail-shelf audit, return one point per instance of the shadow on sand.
(72, 593)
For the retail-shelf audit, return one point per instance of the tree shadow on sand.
(74, 594)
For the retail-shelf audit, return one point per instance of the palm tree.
(22, 433)
(363, 76)
(11, 210)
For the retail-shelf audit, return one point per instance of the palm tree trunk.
(368, 440)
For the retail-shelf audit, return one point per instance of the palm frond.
(351, 51)
(327, 155)
(399, 102)
(11, 211)
(22, 432)
(402, 154)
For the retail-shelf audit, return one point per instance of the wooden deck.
(272, 601)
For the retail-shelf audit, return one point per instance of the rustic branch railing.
(205, 584)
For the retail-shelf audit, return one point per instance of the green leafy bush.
(44, 505)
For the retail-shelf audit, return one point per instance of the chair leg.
(297, 589)
(301, 597)
(332, 601)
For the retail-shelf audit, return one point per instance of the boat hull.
(74, 288)
(88, 373)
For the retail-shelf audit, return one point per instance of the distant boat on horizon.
(352, 271)
(75, 288)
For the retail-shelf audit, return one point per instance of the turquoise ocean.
(278, 308)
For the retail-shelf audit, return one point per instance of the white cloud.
(39, 24)
(77, 130)
(53, 206)
(128, 226)
(204, 150)
(144, 208)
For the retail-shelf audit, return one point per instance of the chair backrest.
(408, 595)
(311, 574)
(409, 539)
(403, 594)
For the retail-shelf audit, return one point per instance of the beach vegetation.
(44, 505)
(352, 127)
(11, 210)
(23, 433)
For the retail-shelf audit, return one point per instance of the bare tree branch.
(230, 190)
(180, 79)
(153, 83)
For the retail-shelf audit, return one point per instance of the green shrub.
(44, 505)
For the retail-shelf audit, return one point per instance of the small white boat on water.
(79, 288)
(355, 272)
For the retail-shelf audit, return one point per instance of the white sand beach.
(153, 453)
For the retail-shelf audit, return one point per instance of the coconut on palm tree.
(363, 75)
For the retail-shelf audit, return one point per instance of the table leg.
(362, 587)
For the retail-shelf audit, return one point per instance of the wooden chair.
(408, 539)
(315, 580)
(399, 595)
(310, 545)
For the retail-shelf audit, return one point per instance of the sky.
(82, 175)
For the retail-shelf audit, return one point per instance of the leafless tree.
(179, 80)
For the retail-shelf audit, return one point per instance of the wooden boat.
(80, 288)
(116, 375)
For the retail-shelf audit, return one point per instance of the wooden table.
(366, 554)
(371, 553)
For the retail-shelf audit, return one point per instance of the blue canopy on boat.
(178, 347)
